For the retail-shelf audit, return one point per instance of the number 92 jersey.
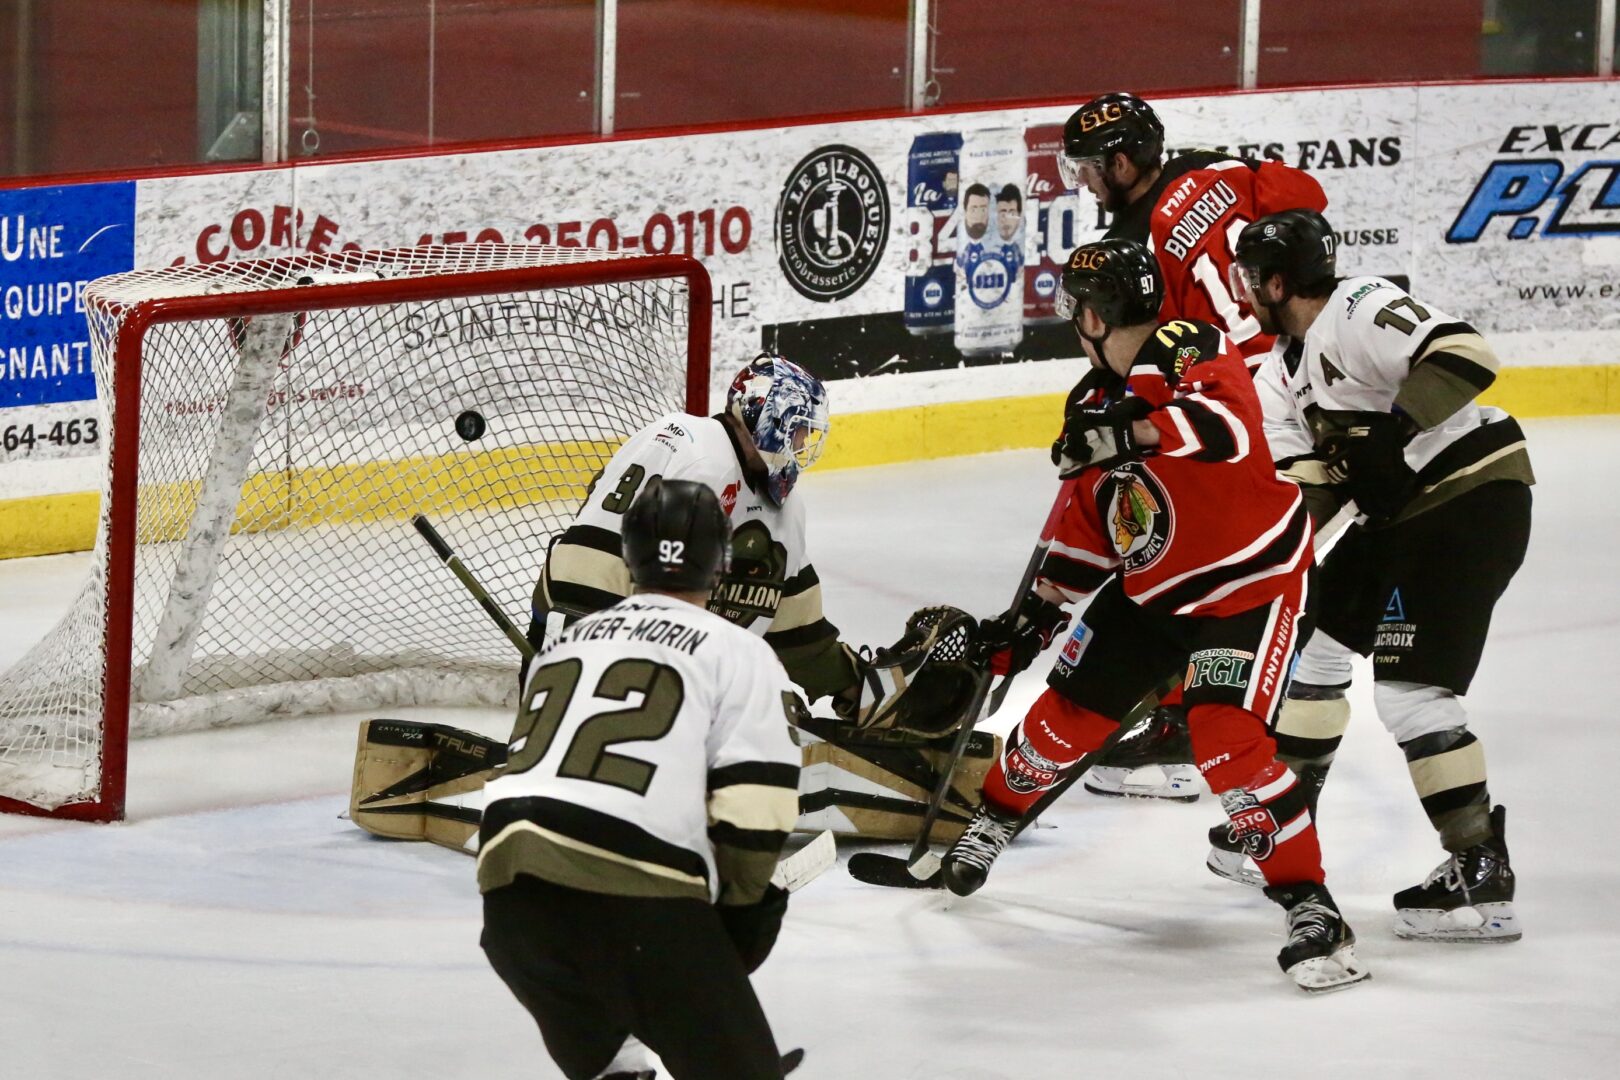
(650, 757)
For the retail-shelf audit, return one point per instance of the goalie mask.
(784, 409)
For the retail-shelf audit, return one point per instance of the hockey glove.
(1099, 436)
(1371, 450)
(753, 927)
(1015, 639)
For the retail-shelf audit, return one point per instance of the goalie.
(868, 772)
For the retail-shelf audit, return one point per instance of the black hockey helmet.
(1112, 123)
(676, 537)
(1118, 279)
(1298, 244)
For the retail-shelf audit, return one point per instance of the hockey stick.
(805, 865)
(922, 865)
(465, 576)
(1137, 714)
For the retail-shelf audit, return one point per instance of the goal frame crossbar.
(137, 319)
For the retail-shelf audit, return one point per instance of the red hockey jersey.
(1202, 525)
(1200, 205)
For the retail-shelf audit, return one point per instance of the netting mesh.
(281, 458)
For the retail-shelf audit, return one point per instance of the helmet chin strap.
(1097, 341)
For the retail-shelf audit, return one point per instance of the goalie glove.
(1100, 436)
(1016, 638)
(923, 683)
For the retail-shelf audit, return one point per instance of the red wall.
(115, 84)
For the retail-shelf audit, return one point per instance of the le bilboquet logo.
(1551, 180)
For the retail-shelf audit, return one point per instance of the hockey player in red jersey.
(1199, 556)
(1189, 210)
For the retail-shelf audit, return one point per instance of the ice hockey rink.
(237, 926)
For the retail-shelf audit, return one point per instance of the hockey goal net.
(272, 428)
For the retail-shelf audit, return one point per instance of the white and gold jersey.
(1373, 348)
(651, 757)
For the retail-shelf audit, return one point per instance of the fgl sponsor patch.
(1219, 667)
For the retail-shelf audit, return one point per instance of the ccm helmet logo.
(1088, 259)
(1103, 114)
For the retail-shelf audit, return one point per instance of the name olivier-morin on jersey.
(650, 757)
(648, 628)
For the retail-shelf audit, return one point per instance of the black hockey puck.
(470, 425)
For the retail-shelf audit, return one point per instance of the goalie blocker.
(871, 778)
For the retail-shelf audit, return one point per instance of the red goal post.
(220, 510)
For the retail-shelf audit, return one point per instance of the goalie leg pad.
(417, 781)
(876, 784)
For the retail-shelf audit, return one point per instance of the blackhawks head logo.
(1141, 517)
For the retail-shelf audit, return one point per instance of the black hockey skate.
(1152, 761)
(967, 864)
(790, 1061)
(1229, 858)
(1469, 897)
(1320, 955)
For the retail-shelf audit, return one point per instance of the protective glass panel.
(377, 74)
(89, 85)
(1379, 40)
(1032, 49)
(707, 61)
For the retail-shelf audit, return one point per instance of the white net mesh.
(281, 458)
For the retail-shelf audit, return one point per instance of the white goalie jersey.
(771, 588)
(651, 757)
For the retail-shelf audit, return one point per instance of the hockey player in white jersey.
(868, 772)
(1370, 396)
(627, 849)
(774, 426)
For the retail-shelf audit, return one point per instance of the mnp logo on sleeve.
(53, 242)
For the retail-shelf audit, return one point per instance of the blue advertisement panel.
(53, 242)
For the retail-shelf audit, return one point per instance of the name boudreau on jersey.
(652, 628)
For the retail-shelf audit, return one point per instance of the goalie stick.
(922, 865)
(465, 576)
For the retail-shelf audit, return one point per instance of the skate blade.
(1327, 974)
(1484, 924)
(1234, 867)
(1176, 783)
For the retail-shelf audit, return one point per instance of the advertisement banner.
(53, 242)
(1521, 216)
(907, 260)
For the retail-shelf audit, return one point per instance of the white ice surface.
(237, 927)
